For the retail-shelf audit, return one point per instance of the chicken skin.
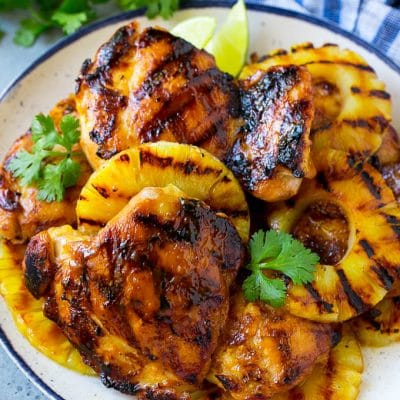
(272, 154)
(265, 351)
(146, 299)
(150, 86)
(21, 213)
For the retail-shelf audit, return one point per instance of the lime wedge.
(197, 31)
(229, 44)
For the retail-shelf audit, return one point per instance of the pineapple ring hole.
(328, 103)
(324, 228)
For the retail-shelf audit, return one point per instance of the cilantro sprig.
(277, 251)
(70, 15)
(50, 166)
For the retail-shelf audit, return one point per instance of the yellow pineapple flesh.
(26, 311)
(193, 170)
(381, 325)
(352, 108)
(368, 269)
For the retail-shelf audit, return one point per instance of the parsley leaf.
(277, 251)
(50, 166)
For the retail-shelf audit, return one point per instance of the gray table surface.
(14, 60)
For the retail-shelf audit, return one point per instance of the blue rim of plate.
(251, 5)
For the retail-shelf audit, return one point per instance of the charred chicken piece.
(21, 213)
(150, 86)
(272, 154)
(265, 351)
(352, 108)
(146, 299)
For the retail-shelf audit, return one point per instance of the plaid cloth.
(375, 21)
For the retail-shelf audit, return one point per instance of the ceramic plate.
(52, 77)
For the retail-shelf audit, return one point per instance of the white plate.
(52, 78)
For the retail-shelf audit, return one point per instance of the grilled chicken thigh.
(265, 351)
(146, 299)
(150, 86)
(272, 154)
(21, 213)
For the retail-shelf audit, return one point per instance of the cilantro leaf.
(44, 132)
(71, 172)
(70, 15)
(70, 22)
(277, 251)
(51, 187)
(70, 132)
(26, 166)
(271, 291)
(9, 5)
(29, 31)
(50, 165)
(165, 8)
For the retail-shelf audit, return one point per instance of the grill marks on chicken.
(146, 299)
(265, 351)
(272, 154)
(352, 108)
(21, 213)
(153, 86)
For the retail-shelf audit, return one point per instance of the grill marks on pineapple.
(374, 189)
(361, 67)
(394, 223)
(381, 325)
(194, 171)
(354, 299)
(326, 307)
(147, 156)
(369, 268)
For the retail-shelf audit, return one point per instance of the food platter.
(51, 78)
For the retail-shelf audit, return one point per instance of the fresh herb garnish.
(50, 165)
(277, 251)
(70, 15)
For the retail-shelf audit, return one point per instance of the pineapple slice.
(352, 108)
(338, 378)
(193, 170)
(369, 267)
(42, 333)
(381, 325)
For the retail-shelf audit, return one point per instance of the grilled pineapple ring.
(193, 170)
(339, 375)
(381, 325)
(370, 266)
(352, 109)
(42, 333)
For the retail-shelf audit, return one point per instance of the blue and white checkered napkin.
(375, 21)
